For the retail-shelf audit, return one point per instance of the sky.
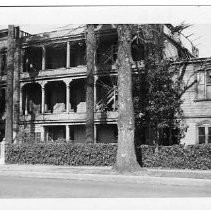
(201, 38)
(40, 19)
(201, 35)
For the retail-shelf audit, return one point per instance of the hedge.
(178, 156)
(62, 154)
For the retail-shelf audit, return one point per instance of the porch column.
(43, 134)
(43, 57)
(26, 104)
(68, 55)
(21, 101)
(67, 133)
(95, 92)
(67, 82)
(67, 97)
(43, 99)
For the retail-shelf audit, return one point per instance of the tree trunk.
(90, 56)
(126, 157)
(9, 89)
(16, 87)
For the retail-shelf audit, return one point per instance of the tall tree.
(16, 85)
(90, 56)
(9, 89)
(126, 157)
(162, 87)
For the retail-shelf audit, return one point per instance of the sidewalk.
(106, 174)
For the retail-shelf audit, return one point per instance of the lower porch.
(75, 133)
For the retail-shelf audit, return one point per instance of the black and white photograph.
(105, 102)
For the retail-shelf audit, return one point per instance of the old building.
(197, 104)
(51, 96)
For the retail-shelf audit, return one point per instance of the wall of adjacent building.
(195, 110)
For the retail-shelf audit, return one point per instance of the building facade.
(52, 94)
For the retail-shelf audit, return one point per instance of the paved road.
(19, 187)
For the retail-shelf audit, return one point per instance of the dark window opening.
(3, 63)
(137, 51)
(55, 57)
(78, 95)
(31, 99)
(55, 97)
(78, 55)
(32, 59)
(201, 131)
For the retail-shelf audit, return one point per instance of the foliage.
(62, 154)
(177, 156)
(25, 136)
(161, 107)
(160, 89)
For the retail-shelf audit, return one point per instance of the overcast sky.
(201, 37)
(201, 34)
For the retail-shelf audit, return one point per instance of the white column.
(43, 134)
(21, 101)
(95, 92)
(26, 104)
(68, 55)
(43, 100)
(43, 58)
(67, 132)
(67, 97)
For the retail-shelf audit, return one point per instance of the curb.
(112, 178)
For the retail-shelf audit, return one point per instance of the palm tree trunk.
(126, 157)
(9, 89)
(16, 88)
(90, 56)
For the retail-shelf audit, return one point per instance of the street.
(20, 187)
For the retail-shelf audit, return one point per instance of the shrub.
(62, 154)
(177, 156)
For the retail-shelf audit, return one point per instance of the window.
(204, 84)
(204, 134)
(201, 135)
